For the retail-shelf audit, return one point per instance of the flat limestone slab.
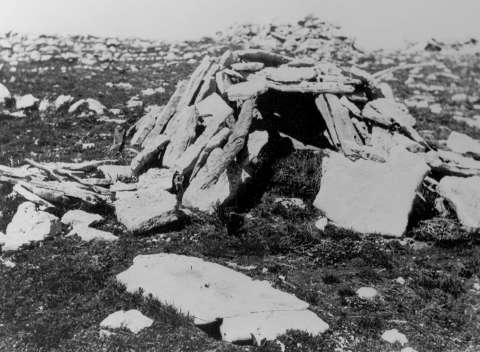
(209, 291)
(146, 209)
(464, 196)
(370, 197)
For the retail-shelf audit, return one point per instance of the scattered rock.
(26, 102)
(116, 172)
(209, 292)
(89, 234)
(132, 320)
(394, 336)
(367, 293)
(29, 225)
(370, 197)
(63, 101)
(321, 223)
(90, 103)
(80, 217)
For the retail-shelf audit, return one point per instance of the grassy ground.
(59, 290)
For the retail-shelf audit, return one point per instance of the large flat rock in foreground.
(209, 291)
(371, 197)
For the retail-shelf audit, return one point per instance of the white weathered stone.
(370, 197)
(148, 154)
(463, 194)
(115, 172)
(270, 325)
(461, 143)
(248, 66)
(255, 143)
(62, 100)
(209, 291)
(132, 320)
(321, 223)
(247, 90)
(4, 93)
(287, 74)
(146, 209)
(145, 125)
(92, 105)
(156, 178)
(393, 336)
(29, 225)
(89, 234)
(387, 112)
(25, 102)
(80, 217)
(367, 292)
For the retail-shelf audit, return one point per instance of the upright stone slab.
(370, 197)
(463, 194)
(209, 291)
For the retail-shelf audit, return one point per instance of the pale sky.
(375, 23)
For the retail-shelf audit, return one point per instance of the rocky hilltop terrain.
(275, 188)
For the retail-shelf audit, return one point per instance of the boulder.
(463, 194)
(370, 197)
(145, 125)
(146, 209)
(463, 144)
(209, 292)
(29, 225)
(132, 320)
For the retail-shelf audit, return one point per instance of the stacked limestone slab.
(219, 121)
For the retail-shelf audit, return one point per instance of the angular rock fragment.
(145, 125)
(248, 66)
(387, 112)
(371, 197)
(156, 178)
(463, 194)
(287, 74)
(80, 217)
(463, 144)
(113, 173)
(29, 225)
(148, 154)
(247, 90)
(146, 209)
(89, 234)
(132, 320)
(210, 292)
(91, 104)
